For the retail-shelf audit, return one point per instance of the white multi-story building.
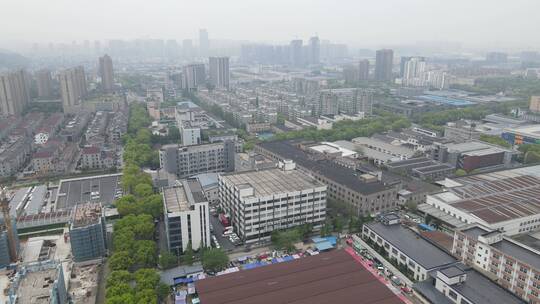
(259, 202)
(190, 135)
(513, 265)
(407, 248)
(186, 216)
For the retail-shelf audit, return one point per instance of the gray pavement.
(386, 264)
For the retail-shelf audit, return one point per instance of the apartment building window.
(452, 294)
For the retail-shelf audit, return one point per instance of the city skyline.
(382, 23)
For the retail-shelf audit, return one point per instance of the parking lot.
(103, 188)
(218, 229)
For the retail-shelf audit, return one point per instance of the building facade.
(186, 216)
(72, 87)
(14, 92)
(383, 65)
(219, 72)
(106, 72)
(87, 232)
(511, 264)
(259, 202)
(184, 161)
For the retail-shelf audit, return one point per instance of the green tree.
(119, 277)
(163, 291)
(214, 259)
(146, 278)
(187, 257)
(338, 224)
(285, 239)
(168, 260)
(143, 190)
(118, 290)
(411, 205)
(146, 296)
(124, 240)
(531, 157)
(126, 298)
(145, 253)
(326, 228)
(460, 172)
(120, 260)
(496, 140)
(126, 205)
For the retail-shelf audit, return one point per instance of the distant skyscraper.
(194, 75)
(204, 43)
(413, 71)
(106, 73)
(187, 48)
(383, 65)
(44, 83)
(296, 52)
(14, 92)
(402, 65)
(219, 72)
(314, 50)
(363, 70)
(72, 87)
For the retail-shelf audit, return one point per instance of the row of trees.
(531, 153)
(133, 278)
(348, 129)
(511, 85)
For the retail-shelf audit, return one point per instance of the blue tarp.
(288, 258)
(254, 265)
(322, 246)
(182, 280)
(274, 260)
(330, 239)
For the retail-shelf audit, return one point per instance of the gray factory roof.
(327, 168)
(412, 245)
(101, 188)
(476, 288)
(272, 181)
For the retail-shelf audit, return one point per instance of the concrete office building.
(413, 72)
(189, 134)
(72, 87)
(219, 72)
(87, 232)
(39, 282)
(366, 194)
(345, 101)
(314, 50)
(296, 53)
(522, 135)
(473, 155)
(383, 65)
(407, 247)
(184, 161)
(259, 202)
(513, 265)
(14, 92)
(44, 83)
(505, 200)
(204, 43)
(193, 76)
(363, 70)
(186, 216)
(106, 72)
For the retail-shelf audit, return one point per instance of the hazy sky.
(368, 23)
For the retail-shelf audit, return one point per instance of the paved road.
(224, 242)
(386, 264)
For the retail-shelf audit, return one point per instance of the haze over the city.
(366, 23)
